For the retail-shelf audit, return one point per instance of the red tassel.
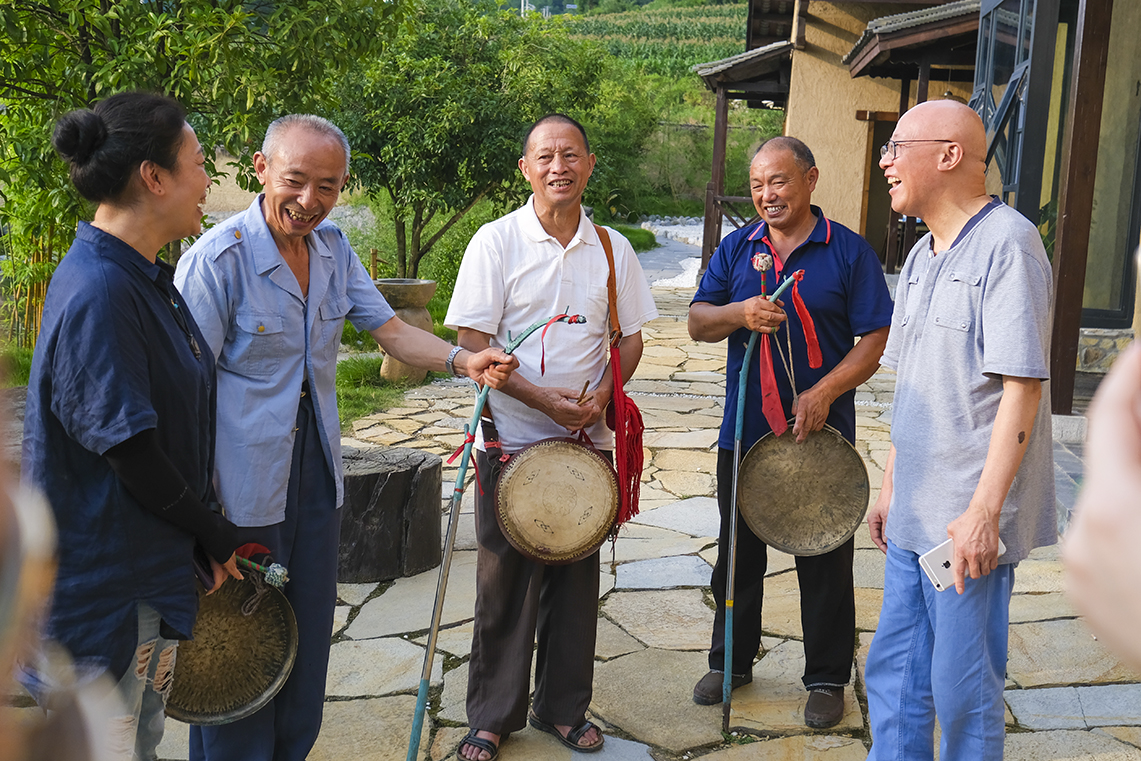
(628, 453)
(815, 359)
(770, 396)
(468, 439)
(247, 551)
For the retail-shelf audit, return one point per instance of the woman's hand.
(222, 570)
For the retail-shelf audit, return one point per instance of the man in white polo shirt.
(528, 266)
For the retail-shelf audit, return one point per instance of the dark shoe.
(487, 746)
(572, 737)
(825, 707)
(710, 690)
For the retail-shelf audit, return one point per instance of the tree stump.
(391, 521)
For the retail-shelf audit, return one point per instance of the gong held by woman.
(119, 428)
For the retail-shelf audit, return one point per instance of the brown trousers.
(516, 598)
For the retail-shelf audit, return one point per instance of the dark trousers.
(306, 543)
(516, 598)
(827, 598)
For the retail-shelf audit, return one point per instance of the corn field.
(668, 42)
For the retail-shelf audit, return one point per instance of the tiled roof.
(771, 50)
(901, 21)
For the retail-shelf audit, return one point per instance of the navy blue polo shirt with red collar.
(846, 296)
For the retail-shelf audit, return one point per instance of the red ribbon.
(571, 320)
(468, 439)
(815, 359)
(771, 404)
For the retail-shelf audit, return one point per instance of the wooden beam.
(1075, 201)
(877, 116)
(800, 13)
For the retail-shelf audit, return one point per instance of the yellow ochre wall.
(823, 100)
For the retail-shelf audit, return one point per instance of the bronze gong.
(556, 500)
(244, 646)
(803, 499)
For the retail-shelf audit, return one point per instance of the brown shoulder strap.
(611, 285)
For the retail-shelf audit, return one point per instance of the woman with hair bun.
(119, 423)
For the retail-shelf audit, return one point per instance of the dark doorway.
(879, 202)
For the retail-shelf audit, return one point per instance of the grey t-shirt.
(963, 319)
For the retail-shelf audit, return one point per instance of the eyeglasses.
(892, 146)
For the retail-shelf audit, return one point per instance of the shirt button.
(963, 325)
(261, 328)
(238, 234)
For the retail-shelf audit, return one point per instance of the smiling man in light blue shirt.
(271, 288)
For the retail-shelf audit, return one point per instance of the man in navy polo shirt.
(846, 297)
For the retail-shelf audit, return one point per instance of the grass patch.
(15, 366)
(641, 240)
(361, 392)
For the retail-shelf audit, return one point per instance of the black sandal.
(572, 737)
(483, 744)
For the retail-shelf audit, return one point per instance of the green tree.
(438, 115)
(233, 65)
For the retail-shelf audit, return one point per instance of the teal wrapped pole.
(450, 540)
(727, 664)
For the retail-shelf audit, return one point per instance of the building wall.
(824, 99)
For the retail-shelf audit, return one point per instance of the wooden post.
(921, 86)
(372, 262)
(892, 256)
(712, 235)
(1075, 202)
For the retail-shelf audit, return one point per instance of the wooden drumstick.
(582, 396)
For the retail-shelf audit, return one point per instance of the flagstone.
(696, 516)
(683, 483)
(1063, 745)
(404, 425)
(707, 389)
(1039, 576)
(700, 439)
(774, 701)
(340, 617)
(605, 581)
(672, 459)
(638, 542)
(699, 377)
(446, 742)
(381, 435)
(613, 642)
(676, 619)
(661, 710)
(1047, 653)
(706, 365)
(667, 352)
(455, 640)
(636, 386)
(672, 403)
(651, 371)
(1110, 704)
(355, 594)
(868, 568)
(798, 748)
(531, 744)
(664, 573)
(453, 699)
(465, 529)
(1048, 708)
(1040, 607)
(407, 605)
(1131, 735)
(376, 667)
(376, 729)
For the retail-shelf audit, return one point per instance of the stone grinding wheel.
(803, 499)
(556, 500)
(236, 663)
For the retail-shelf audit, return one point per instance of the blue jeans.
(135, 709)
(938, 654)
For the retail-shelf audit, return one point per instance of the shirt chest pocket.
(956, 301)
(257, 345)
(332, 314)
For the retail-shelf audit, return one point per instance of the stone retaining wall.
(1099, 347)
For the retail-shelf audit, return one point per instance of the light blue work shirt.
(268, 339)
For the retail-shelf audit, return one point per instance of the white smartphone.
(937, 564)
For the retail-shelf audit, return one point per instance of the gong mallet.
(450, 540)
(727, 665)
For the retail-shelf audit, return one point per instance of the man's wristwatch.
(450, 362)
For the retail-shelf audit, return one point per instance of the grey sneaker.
(709, 691)
(825, 707)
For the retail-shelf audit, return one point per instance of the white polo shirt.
(515, 274)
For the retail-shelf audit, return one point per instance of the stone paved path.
(1067, 697)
